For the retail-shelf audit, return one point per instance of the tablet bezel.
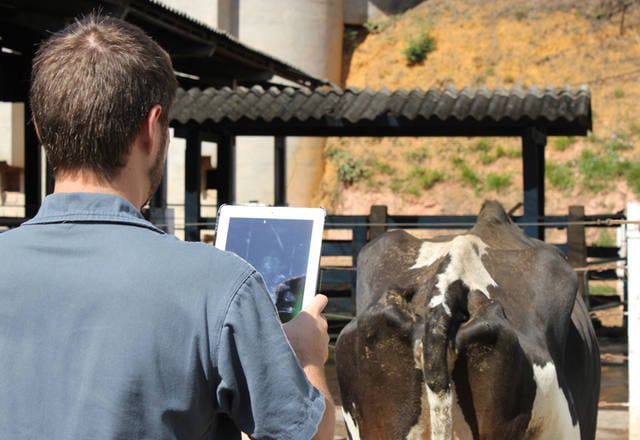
(315, 215)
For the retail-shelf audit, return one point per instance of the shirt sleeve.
(262, 387)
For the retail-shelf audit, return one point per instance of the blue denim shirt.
(111, 329)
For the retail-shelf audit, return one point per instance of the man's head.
(93, 84)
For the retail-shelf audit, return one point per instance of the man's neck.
(89, 182)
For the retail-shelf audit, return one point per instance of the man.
(110, 329)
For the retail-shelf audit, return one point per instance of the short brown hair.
(92, 85)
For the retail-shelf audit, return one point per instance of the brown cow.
(475, 336)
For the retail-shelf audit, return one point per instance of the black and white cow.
(473, 336)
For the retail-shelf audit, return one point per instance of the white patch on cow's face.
(352, 427)
(440, 414)
(550, 417)
(465, 253)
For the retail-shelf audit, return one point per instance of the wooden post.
(577, 246)
(633, 328)
(377, 221)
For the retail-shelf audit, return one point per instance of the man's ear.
(35, 126)
(151, 126)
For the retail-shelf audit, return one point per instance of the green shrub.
(487, 158)
(418, 155)
(598, 171)
(604, 238)
(349, 170)
(514, 153)
(619, 142)
(396, 185)
(384, 167)
(501, 152)
(371, 27)
(412, 188)
(418, 48)
(520, 14)
(425, 178)
(592, 138)
(632, 175)
(498, 182)
(379, 26)
(559, 176)
(467, 174)
(350, 36)
(618, 93)
(562, 143)
(457, 160)
(481, 145)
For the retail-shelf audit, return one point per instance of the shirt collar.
(89, 207)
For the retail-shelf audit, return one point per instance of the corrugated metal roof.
(502, 111)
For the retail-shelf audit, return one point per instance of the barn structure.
(227, 91)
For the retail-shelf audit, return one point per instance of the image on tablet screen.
(279, 250)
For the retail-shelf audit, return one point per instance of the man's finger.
(317, 304)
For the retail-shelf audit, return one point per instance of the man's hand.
(308, 336)
(307, 333)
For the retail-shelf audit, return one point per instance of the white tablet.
(282, 243)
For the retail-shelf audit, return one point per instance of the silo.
(304, 33)
(308, 35)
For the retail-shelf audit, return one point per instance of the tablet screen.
(282, 243)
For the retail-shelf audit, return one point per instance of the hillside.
(503, 43)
